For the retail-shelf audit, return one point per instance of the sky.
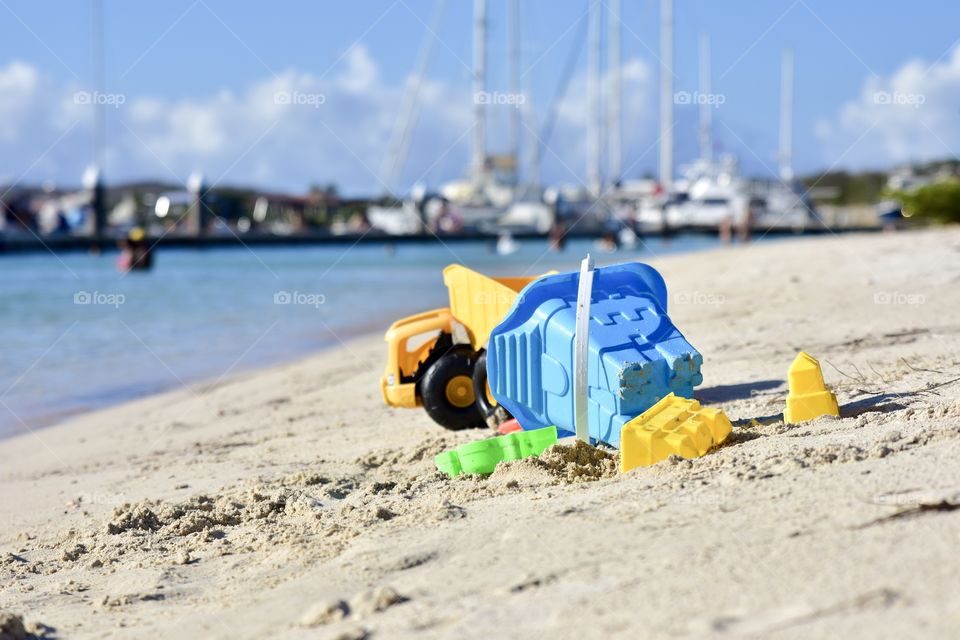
(283, 95)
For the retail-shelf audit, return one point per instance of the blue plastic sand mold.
(636, 355)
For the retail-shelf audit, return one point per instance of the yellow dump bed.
(480, 302)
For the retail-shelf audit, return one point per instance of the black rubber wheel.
(493, 414)
(447, 391)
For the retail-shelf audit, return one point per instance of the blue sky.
(193, 84)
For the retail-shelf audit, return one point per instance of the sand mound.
(11, 627)
(579, 462)
(308, 515)
(561, 463)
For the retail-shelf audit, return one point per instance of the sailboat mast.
(399, 148)
(786, 116)
(666, 93)
(479, 90)
(99, 125)
(706, 113)
(516, 114)
(593, 98)
(616, 97)
(533, 144)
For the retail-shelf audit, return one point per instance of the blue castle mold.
(636, 355)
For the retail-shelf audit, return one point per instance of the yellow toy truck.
(437, 359)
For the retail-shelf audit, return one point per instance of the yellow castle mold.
(809, 397)
(673, 426)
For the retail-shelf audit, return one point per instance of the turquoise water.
(78, 335)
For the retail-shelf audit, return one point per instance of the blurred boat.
(714, 193)
(506, 245)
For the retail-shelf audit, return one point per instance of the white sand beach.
(291, 502)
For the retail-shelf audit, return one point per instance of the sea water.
(78, 335)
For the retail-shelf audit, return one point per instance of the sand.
(290, 502)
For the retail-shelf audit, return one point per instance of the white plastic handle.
(581, 343)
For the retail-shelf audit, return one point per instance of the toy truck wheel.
(447, 391)
(492, 413)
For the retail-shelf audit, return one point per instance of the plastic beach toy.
(483, 456)
(435, 359)
(809, 397)
(673, 426)
(509, 426)
(636, 356)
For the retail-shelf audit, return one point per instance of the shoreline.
(27, 244)
(111, 390)
(252, 506)
(54, 418)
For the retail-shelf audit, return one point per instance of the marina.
(500, 195)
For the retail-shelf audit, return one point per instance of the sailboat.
(783, 203)
(711, 191)
(490, 197)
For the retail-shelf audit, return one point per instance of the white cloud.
(18, 87)
(34, 126)
(288, 131)
(567, 161)
(362, 74)
(291, 130)
(913, 114)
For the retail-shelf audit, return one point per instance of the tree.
(938, 201)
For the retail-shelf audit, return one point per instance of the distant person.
(607, 242)
(448, 220)
(666, 231)
(358, 222)
(135, 253)
(726, 230)
(746, 224)
(557, 238)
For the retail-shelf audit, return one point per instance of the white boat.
(708, 195)
(396, 221)
(506, 245)
(490, 197)
(711, 194)
(527, 216)
(780, 205)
